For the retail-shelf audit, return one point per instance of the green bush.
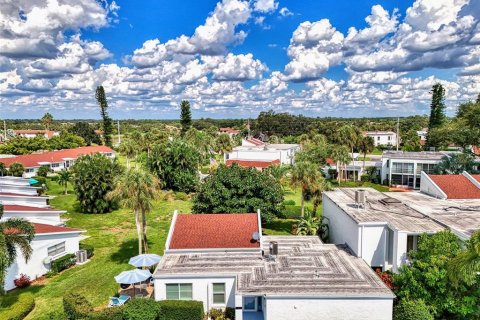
(291, 212)
(142, 309)
(216, 314)
(50, 273)
(289, 202)
(16, 307)
(16, 169)
(76, 306)
(43, 171)
(230, 313)
(181, 196)
(90, 249)
(412, 310)
(41, 181)
(63, 263)
(114, 313)
(181, 310)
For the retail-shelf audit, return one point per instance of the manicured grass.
(377, 152)
(279, 227)
(114, 237)
(351, 184)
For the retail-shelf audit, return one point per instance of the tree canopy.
(86, 131)
(437, 110)
(185, 116)
(107, 121)
(93, 179)
(239, 190)
(176, 165)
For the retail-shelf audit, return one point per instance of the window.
(55, 165)
(249, 303)
(411, 243)
(179, 291)
(389, 138)
(29, 170)
(378, 138)
(56, 249)
(219, 293)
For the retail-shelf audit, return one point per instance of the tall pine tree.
(437, 111)
(107, 121)
(185, 116)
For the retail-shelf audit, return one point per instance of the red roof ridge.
(252, 163)
(456, 186)
(41, 228)
(16, 207)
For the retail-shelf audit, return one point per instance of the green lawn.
(114, 238)
(351, 184)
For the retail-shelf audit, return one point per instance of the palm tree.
(456, 164)
(349, 136)
(64, 177)
(15, 234)
(313, 226)
(129, 148)
(340, 155)
(306, 176)
(223, 144)
(366, 144)
(323, 185)
(466, 265)
(136, 189)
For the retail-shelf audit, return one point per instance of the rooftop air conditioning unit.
(81, 256)
(360, 197)
(273, 248)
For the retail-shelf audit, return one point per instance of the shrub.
(181, 196)
(142, 309)
(291, 212)
(289, 202)
(41, 181)
(63, 263)
(180, 310)
(412, 310)
(76, 306)
(50, 273)
(17, 307)
(89, 248)
(23, 281)
(216, 314)
(43, 171)
(16, 169)
(115, 313)
(230, 313)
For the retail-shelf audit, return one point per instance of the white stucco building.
(382, 138)
(33, 214)
(47, 134)
(403, 168)
(57, 160)
(50, 242)
(256, 150)
(385, 227)
(224, 261)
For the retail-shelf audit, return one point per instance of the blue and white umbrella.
(145, 260)
(133, 276)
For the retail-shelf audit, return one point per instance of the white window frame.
(55, 165)
(178, 286)
(56, 247)
(256, 298)
(217, 293)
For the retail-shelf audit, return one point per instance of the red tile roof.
(216, 230)
(229, 130)
(253, 163)
(476, 177)
(46, 228)
(32, 160)
(456, 186)
(14, 207)
(255, 141)
(49, 133)
(330, 161)
(41, 228)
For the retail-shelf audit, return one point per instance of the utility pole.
(118, 127)
(4, 130)
(248, 127)
(398, 131)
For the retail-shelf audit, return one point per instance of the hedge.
(181, 310)
(90, 249)
(142, 309)
(292, 212)
(63, 262)
(412, 310)
(114, 313)
(17, 307)
(76, 307)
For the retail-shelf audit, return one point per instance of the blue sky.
(235, 58)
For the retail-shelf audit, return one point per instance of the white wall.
(329, 308)
(286, 156)
(383, 139)
(201, 289)
(25, 201)
(399, 250)
(374, 245)
(35, 267)
(30, 191)
(429, 187)
(343, 229)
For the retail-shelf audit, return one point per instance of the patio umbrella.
(133, 276)
(32, 181)
(145, 260)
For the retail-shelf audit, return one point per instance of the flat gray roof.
(459, 215)
(427, 155)
(379, 208)
(304, 267)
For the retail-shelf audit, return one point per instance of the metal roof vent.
(360, 198)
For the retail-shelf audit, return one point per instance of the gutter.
(170, 231)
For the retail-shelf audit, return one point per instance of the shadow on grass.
(281, 225)
(126, 250)
(11, 297)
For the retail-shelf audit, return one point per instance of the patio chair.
(118, 301)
